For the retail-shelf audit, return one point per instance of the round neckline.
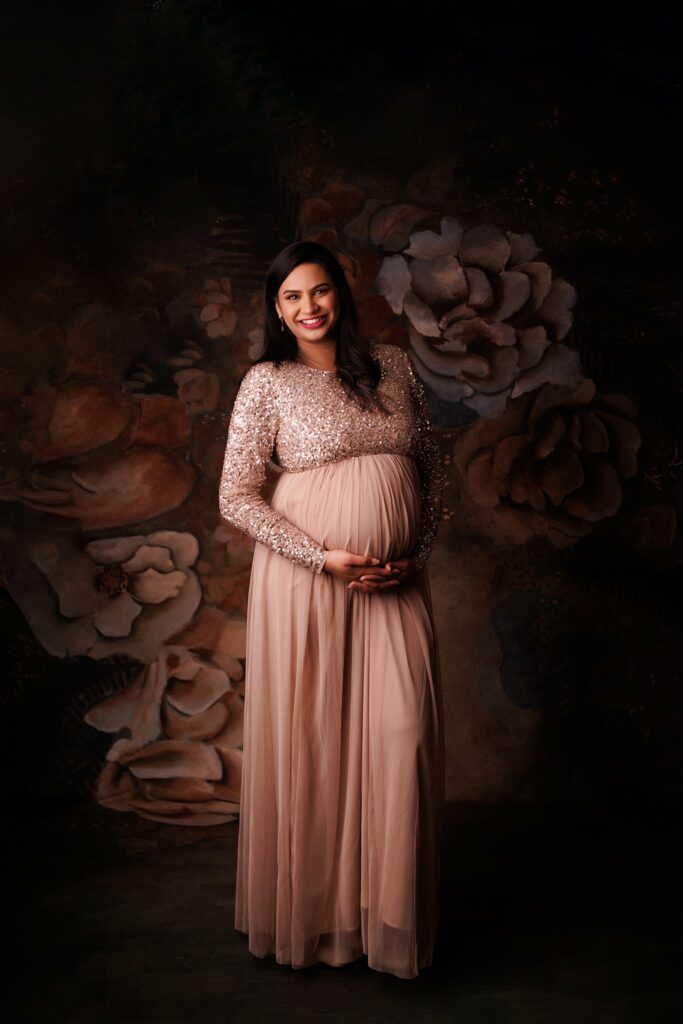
(315, 369)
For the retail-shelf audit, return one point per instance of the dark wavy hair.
(356, 368)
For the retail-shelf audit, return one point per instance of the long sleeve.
(432, 473)
(251, 438)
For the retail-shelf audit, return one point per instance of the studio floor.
(552, 915)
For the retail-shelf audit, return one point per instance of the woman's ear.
(277, 308)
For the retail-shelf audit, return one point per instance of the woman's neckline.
(315, 369)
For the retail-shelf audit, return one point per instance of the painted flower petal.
(600, 496)
(184, 546)
(421, 316)
(507, 452)
(233, 731)
(115, 618)
(437, 369)
(150, 556)
(540, 279)
(626, 440)
(155, 625)
(440, 281)
(513, 290)
(559, 365)
(594, 436)
(479, 480)
(532, 343)
(522, 248)
(560, 474)
(115, 787)
(225, 636)
(70, 574)
(488, 406)
(479, 289)
(359, 227)
(77, 593)
(503, 368)
(211, 311)
(553, 429)
(113, 549)
(427, 244)
(485, 246)
(391, 225)
(168, 759)
(152, 587)
(116, 712)
(203, 726)
(184, 790)
(553, 396)
(229, 786)
(393, 281)
(195, 696)
(183, 664)
(555, 310)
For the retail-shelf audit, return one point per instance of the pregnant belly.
(368, 504)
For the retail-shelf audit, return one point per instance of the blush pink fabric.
(343, 769)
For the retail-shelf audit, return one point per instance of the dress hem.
(286, 961)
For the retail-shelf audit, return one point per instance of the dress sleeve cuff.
(319, 562)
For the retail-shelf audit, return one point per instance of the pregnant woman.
(343, 754)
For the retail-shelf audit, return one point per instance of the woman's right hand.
(349, 567)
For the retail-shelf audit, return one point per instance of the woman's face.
(309, 303)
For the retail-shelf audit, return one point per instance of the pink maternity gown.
(343, 753)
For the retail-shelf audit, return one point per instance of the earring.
(282, 323)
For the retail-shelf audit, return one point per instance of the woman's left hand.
(388, 576)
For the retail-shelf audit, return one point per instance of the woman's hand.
(349, 566)
(384, 577)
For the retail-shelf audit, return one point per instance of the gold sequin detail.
(301, 418)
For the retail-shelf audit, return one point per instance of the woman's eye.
(319, 291)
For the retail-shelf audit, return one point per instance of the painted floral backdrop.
(116, 390)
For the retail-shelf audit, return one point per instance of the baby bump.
(369, 504)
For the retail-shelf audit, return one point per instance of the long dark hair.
(356, 368)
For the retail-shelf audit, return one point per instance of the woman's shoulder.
(263, 367)
(389, 355)
(387, 351)
(260, 372)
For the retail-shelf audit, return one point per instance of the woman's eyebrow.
(288, 290)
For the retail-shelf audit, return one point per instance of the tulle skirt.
(343, 767)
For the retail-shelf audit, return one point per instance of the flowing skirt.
(343, 764)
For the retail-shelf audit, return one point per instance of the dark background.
(131, 126)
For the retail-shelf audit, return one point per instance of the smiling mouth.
(313, 321)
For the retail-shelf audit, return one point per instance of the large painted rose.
(123, 595)
(552, 463)
(93, 453)
(487, 315)
(179, 724)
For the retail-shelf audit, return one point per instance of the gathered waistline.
(343, 458)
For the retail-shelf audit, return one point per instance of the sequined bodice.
(301, 418)
(318, 422)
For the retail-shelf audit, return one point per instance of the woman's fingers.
(381, 577)
(368, 585)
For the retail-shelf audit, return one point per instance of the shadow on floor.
(548, 915)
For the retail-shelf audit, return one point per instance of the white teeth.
(313, 321)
